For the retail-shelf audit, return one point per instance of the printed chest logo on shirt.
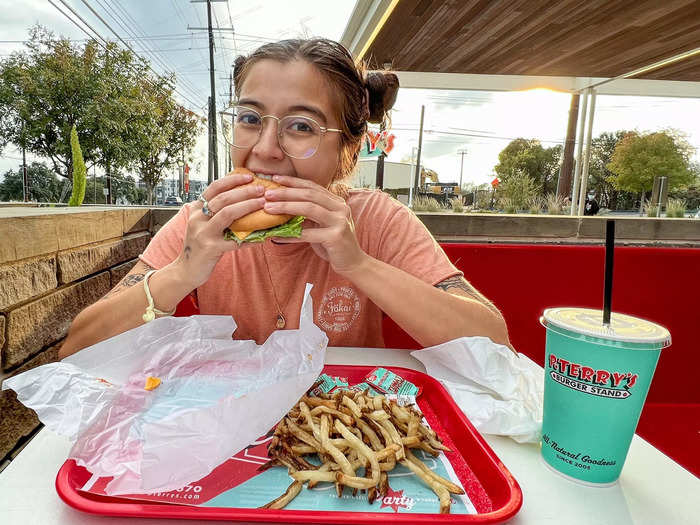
(339, 308)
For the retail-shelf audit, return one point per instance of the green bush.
(519, 189)
(79, 171)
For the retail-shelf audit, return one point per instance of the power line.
(123, 23)
(100, 40)
(442, 132)
(148, 49)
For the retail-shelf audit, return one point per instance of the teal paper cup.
(596, 380)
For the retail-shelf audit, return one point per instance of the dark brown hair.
(351, 83)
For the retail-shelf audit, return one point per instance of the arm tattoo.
(129, 280)
(458, 285)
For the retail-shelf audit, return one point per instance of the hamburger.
(260, 225)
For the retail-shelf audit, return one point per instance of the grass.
(508, 205)
(426, 204)
(457, 205)
(675, 208)
(555, 204)
(535, 205)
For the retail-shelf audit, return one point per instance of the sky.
(478, 122)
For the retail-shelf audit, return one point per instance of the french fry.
(454, 489)
(323, 468)
(383, 484)
(303, 435)
(393, 433)
(313, 475)
(309, 420)
(328, 447)
(318, 402)
(442, 493)
(379, 415)
(291, 493)
(340, 415)
(371, 434)
(352, 406)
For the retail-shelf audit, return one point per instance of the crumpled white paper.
(216, 397)
(499, 392)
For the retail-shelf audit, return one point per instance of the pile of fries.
(347, 430)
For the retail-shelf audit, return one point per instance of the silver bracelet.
(151, 310)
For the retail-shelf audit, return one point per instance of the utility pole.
(229, 166)
(25, 179)
(462, 152)
(210, 164)
(213, 150)
(109, 185)
(212, 111)
(420, 148)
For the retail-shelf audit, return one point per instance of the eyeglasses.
(298, 136)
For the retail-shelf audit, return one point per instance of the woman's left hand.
(329, 227)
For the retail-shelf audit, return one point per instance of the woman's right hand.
(204, 243)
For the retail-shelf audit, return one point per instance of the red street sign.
(495, 182)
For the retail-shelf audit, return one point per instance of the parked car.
(173, 201)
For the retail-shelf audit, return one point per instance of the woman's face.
(289, 88)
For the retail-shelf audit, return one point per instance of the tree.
(45, 91)
(638, 158)
(517, 190)
(690, 194)
(119, 108)
(529, 157)
(78, 194)
(43, 184)
(599, 176)
(56, 84)
(166, 133)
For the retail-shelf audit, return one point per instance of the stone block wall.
(54, 262)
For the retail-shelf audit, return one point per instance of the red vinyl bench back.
(655, 283)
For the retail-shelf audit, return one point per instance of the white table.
(652, 489)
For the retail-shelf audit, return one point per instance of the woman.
(364, 252)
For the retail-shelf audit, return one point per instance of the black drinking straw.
(609, 250)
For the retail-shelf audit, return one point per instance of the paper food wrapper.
(501, 393)
(216, 396)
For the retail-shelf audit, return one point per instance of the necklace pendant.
(280, 322)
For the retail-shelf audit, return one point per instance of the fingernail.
(259, 190)
(270, 205)
(270, 193)
(261, 202)
(276, 178)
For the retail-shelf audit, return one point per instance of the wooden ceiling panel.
(582, 38)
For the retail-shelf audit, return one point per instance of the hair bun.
(383, 88)
(238, 64)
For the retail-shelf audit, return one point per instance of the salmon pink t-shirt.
(241, 286)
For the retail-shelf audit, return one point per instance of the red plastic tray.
(491, 487)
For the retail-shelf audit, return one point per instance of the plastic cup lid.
(622, 327)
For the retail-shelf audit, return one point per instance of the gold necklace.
(281, 321)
